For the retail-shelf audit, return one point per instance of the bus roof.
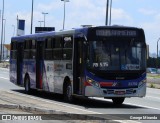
(66, 32)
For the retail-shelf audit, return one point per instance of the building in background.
(5, 51)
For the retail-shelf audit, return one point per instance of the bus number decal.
(101, 64)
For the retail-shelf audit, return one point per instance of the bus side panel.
(54, 73)
(52, 79)
(13, 71)
(19, 74)
(48, 79)
(32, 73)
(20, 55)
(61, 71)
(29, 68)
(39, 64)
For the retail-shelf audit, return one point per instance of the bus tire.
(27, 85)
(118, 100)
(68, 92)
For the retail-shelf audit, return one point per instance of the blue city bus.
(102, 61)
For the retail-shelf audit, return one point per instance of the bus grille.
(112, 91)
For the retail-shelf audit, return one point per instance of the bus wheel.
(68, 93)
(118, 100)
(27, 84)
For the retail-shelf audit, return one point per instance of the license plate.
(120, 92)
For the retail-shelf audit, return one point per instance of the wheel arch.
(26, 75)
(66, 82)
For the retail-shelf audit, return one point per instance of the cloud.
(152, 31)
(121, 17)
(51, 6)
(157, 17)
(147, 11)
(78, 12)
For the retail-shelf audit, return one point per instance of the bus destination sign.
(110, 33)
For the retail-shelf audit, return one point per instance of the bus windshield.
(125, 54)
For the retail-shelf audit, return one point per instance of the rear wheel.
(27, 85)
(68, 93)
(118, 100)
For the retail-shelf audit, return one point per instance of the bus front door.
(39, 64)
(20, 48)
(78, 67)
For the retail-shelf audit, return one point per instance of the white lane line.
(37, 98)
(143, 106)
(79, 108)
(4, 68)
(4, 78)
(5, 72)
(153, 97)
(130, 104)
(53, 102)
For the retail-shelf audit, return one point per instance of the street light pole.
(157, 52)
(64, 12)
(110, 13)
(40, 22)
(4, 35)
(2, 31)
(32, 16)
(44, 17)
(107, 12)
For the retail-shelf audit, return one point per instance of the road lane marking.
(128, 104)
(4, 78)
(37, 98)
(4, 69)
(5, 72)
(45, 100)
(153, 97)
(143, 106)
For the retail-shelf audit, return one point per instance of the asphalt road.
(4, 80)
(147, 105)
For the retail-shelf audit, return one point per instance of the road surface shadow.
(85, 102)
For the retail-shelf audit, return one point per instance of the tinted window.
(67, 47)
(57, 48)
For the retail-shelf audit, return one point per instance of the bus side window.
(48, 49)
(67, 47)
(57, 48)
(27, 49)
(14, 50)
(33, 49)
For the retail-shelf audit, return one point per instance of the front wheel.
(68, 93)
(118, 100)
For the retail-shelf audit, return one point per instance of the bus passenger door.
(20, 48)
(78, 66)
(39, 64)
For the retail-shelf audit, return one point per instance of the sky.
(137, 13)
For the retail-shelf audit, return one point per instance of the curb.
(63, 115)
(9, 106)
(31, 109)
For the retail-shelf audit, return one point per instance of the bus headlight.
(142, 82)
(92, 82)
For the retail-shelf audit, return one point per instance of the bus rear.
(115, 63)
